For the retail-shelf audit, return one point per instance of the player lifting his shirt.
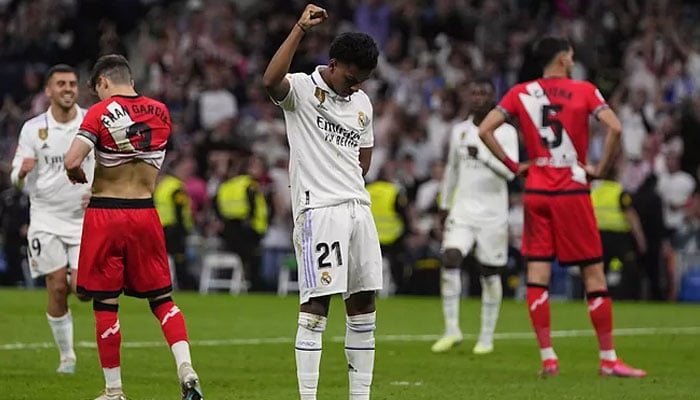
(123, 245)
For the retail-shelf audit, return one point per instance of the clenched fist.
(312, 16)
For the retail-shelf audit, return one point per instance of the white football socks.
(548, 354)
(491, 296)
(62, 328)
(608, 355)
(307, 349)
(451, 291)
(113, 377)
(181, 352)
(359, 350)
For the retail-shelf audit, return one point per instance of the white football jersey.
(55, 203)
(475, 184)
(325, 132)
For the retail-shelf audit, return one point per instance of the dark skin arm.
(274, 81)
(487, 133)
(365, 159)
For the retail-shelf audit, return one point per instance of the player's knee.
(490, 270)
(360, 303)
(58, 290)
(593, 276)
(316, 305)
(155, 302)
(98, 305)
(312, 322)
(362, 322)
(452, 258)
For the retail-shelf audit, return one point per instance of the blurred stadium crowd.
(204, 59)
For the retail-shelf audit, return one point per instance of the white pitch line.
(690, 330)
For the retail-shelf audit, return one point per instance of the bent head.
(555, 54)
(62, 86)
(110, 75)
(353, 57)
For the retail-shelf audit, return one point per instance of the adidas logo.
(45, 146)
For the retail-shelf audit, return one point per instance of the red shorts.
(561, 226)
(122, 249)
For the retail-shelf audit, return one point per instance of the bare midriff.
(132, 180)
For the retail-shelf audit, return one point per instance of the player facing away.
(329, 127)
(56, 207)
(123, 246)
(475, 191)
(559, 222)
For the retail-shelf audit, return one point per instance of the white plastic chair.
(213, 263)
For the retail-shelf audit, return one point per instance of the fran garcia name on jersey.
(336, 133)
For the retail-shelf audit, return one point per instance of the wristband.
(511, 165)
(301, 27)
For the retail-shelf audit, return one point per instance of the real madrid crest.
(43, 133)
(320, 95)
(326, 278)
(362, 119)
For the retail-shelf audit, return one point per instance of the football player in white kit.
(56, 207)
(475, 190)
(329, 127)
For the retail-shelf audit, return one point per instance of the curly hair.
(355, 48)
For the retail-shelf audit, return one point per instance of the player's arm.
(367, 139)
(449, 180)
(507, 138)
(612, 142)
(24, 160)
(276, 85)
(365, 159)
(487, 133)
(79, 149)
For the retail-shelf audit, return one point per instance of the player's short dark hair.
(58, 68)
(355, 48)
(548, 47)
(115, 67)
(483, 80)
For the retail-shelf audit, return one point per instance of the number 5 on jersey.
(549, 120)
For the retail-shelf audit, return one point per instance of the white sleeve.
(25, 149)
(367, 134)
(449, 179)
(507, 137)
(288, 103)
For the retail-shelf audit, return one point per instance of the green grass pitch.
(242, 349)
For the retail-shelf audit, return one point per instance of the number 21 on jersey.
(324, 252)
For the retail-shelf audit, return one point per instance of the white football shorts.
(491, 241)
(47, 252)
(337, 250)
